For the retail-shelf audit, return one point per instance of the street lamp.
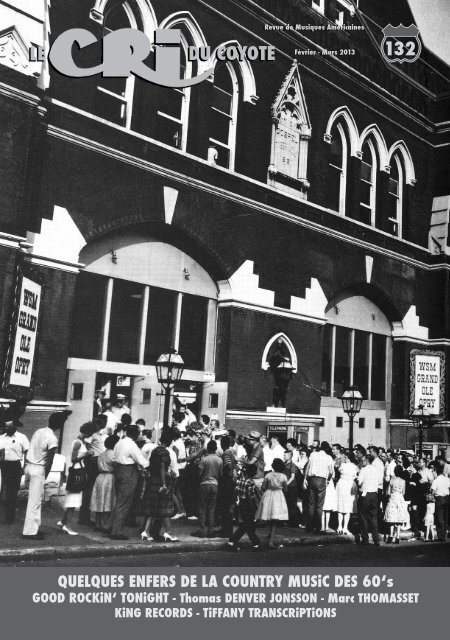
(169, 369)
(421, 419)
(351, 404)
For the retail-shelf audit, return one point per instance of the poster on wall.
(21, 359)
(427, 370)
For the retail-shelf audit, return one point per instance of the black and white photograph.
(224, 283)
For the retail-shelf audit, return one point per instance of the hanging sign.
(428, 381)
(18, 380)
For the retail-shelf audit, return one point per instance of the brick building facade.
(298, 206)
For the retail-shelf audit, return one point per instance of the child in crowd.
(273, 507)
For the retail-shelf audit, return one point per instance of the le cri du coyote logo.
(125, 50)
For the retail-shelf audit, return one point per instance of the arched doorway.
(357, 350)
(135, 297)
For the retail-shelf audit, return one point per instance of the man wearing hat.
(120, 407)
(256, 456)
(13, 448)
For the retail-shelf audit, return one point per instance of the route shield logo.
(401, 44)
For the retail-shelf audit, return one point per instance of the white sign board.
(427, 382)
(25, 339)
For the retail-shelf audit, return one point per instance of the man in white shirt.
(14, 446)
(120, 407)
(440, 487)
(368, 482)
(318, 473)
(274, 450)
(127, 458)
(39, 460)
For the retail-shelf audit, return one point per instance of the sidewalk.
(90, 543)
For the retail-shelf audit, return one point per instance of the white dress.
(346, 489)
(272, 505)
(330, 503)
(73, 500)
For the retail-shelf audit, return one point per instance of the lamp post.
(169, 369)
(421, 419)
(351, 404)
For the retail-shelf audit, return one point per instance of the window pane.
(87, 316)
(170, 102)
(378, 367)
(393, 186)
(110, 108)
(193, 330)
(342, 361)
(223, 156)
(361, 362)
(336, 150)
(115, 85)
(169, 132)
(222, 100)
(366, 171)
(326, 360)
(219, 127)
(365, 214)
(334, 187)
(124, 328)
(161, 315)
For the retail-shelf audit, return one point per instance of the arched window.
(223, 120)
(338, 169)
(368, 183)
(173, 108)
(396, 186)
(117, 93)
(356, 349)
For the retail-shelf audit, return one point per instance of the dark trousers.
(126, 477)
(11, 475)
(247, 510)
(190, 489)
(368, 516)
(91, 467)
(315, 497)
(441, 516)
(208, 499)
(291, 501)
(227, 506)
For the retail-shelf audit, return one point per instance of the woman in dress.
(103, 496)
(301, 493)
(73, 500)
(272, 507)
(396, 509)
(346, 491)
(330, 502)
(158, 499)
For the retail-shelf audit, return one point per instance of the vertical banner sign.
(428, 381)
(26, 331)
(23, 337)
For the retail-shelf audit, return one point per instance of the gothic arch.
(401, 149)
(245, 70)
(289, 346)
(374, 131)
(187, 20)
(147, 13)
(344, 114)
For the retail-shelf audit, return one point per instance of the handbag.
(77, 478)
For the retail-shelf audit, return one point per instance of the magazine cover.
(225, 317)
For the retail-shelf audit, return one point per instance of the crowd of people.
(200, 471)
